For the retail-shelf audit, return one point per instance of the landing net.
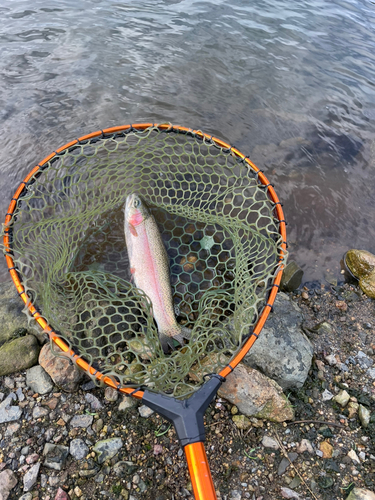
(218, 224)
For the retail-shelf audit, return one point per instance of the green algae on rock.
(361, 264)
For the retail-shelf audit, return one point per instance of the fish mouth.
(129, 200)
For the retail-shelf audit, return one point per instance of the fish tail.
(170, 338)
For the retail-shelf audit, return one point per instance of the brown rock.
(326, 449)
(61, 495)
(362, 265)
(64, 374)
(52, 403)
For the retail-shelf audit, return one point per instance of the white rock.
(305, 445)
(353, 455)
(269, 442)
(327, 396)
(145, 411)
(331, 358)
(29, 479)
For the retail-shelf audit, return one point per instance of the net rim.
(163, 127)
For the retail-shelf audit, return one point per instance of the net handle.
(127, 128)
(200, 474)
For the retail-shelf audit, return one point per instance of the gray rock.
(361, 494)
(145, 411)
(107, 448)
(363, 360)
(26, 496)
(269, 442)
(111, 394)
(282, 352)
(9, 413)
(235, 495)
(20, 394)
(94, 401)
(11, 315)
(29, 479)
(128, 402)
(284, 464)
(55, 455)
(38, 380)
(364, 415)
(123, 469)
(39, 412)
(81, 421)
(88, 386)
(292, 277)
(78, 449)
(8, 481)
(18, 355)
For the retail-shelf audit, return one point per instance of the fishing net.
(218, 224)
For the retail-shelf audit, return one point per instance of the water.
(292, 84)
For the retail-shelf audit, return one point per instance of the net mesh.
(219, 229)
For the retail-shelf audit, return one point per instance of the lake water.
(290, 83)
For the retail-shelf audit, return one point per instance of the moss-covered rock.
(362, 266)
(18, 355)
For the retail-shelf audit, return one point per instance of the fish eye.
(136, 203)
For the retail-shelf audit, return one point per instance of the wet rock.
(269, 442)
(94, 401)
(38, 380)
(292, 277)
(12, 319)
(18, 355)
(361, 264)
(29, 479)
(55, 456)
(107, 448)
(282, 352)
(361, 494)
(364, 415)
(342, 398)
(81, 421)
(256, 395)
(65, 374)
(78, 449)
(9, 413)
(8, 481)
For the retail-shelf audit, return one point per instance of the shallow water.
(289, 83)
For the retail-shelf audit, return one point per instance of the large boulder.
(12, 319)
(282, 352)
(18, 355)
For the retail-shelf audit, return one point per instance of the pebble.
(9, 413)
(326, 448)
(371, 372)
(93, 401)
(8, 481)
(145, 411)
(9, 382)
(353, 455)
(55, 455)
(331, 358)
(11, 429)
(326, 395)
(269, 442)
(81, 421)
(305, 445)
(364, 415)
(288, 493)
(342, 398)
(284, 464)
(107, 448)
(241, 422)
(111, 394)
(31, 459)
(39, 412)
(38, 380)
(235, 495)
(20, 394)
(78, 449)
(26, 496)
(29, 479)
(361, 494)
(61, 495)
(126, 403)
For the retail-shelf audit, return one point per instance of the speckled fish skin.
(150, 270)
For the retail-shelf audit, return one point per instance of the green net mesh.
(218, 226)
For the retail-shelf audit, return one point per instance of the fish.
(149, 269)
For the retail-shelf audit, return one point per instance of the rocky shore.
(312, 437)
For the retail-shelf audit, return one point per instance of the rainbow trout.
(150, 270)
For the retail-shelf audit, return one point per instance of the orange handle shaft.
(200, 473)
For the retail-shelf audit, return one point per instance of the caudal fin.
(171, 340)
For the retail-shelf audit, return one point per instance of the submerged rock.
(361, 264)
(282, 352)
(292, 277)
(18, 355)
